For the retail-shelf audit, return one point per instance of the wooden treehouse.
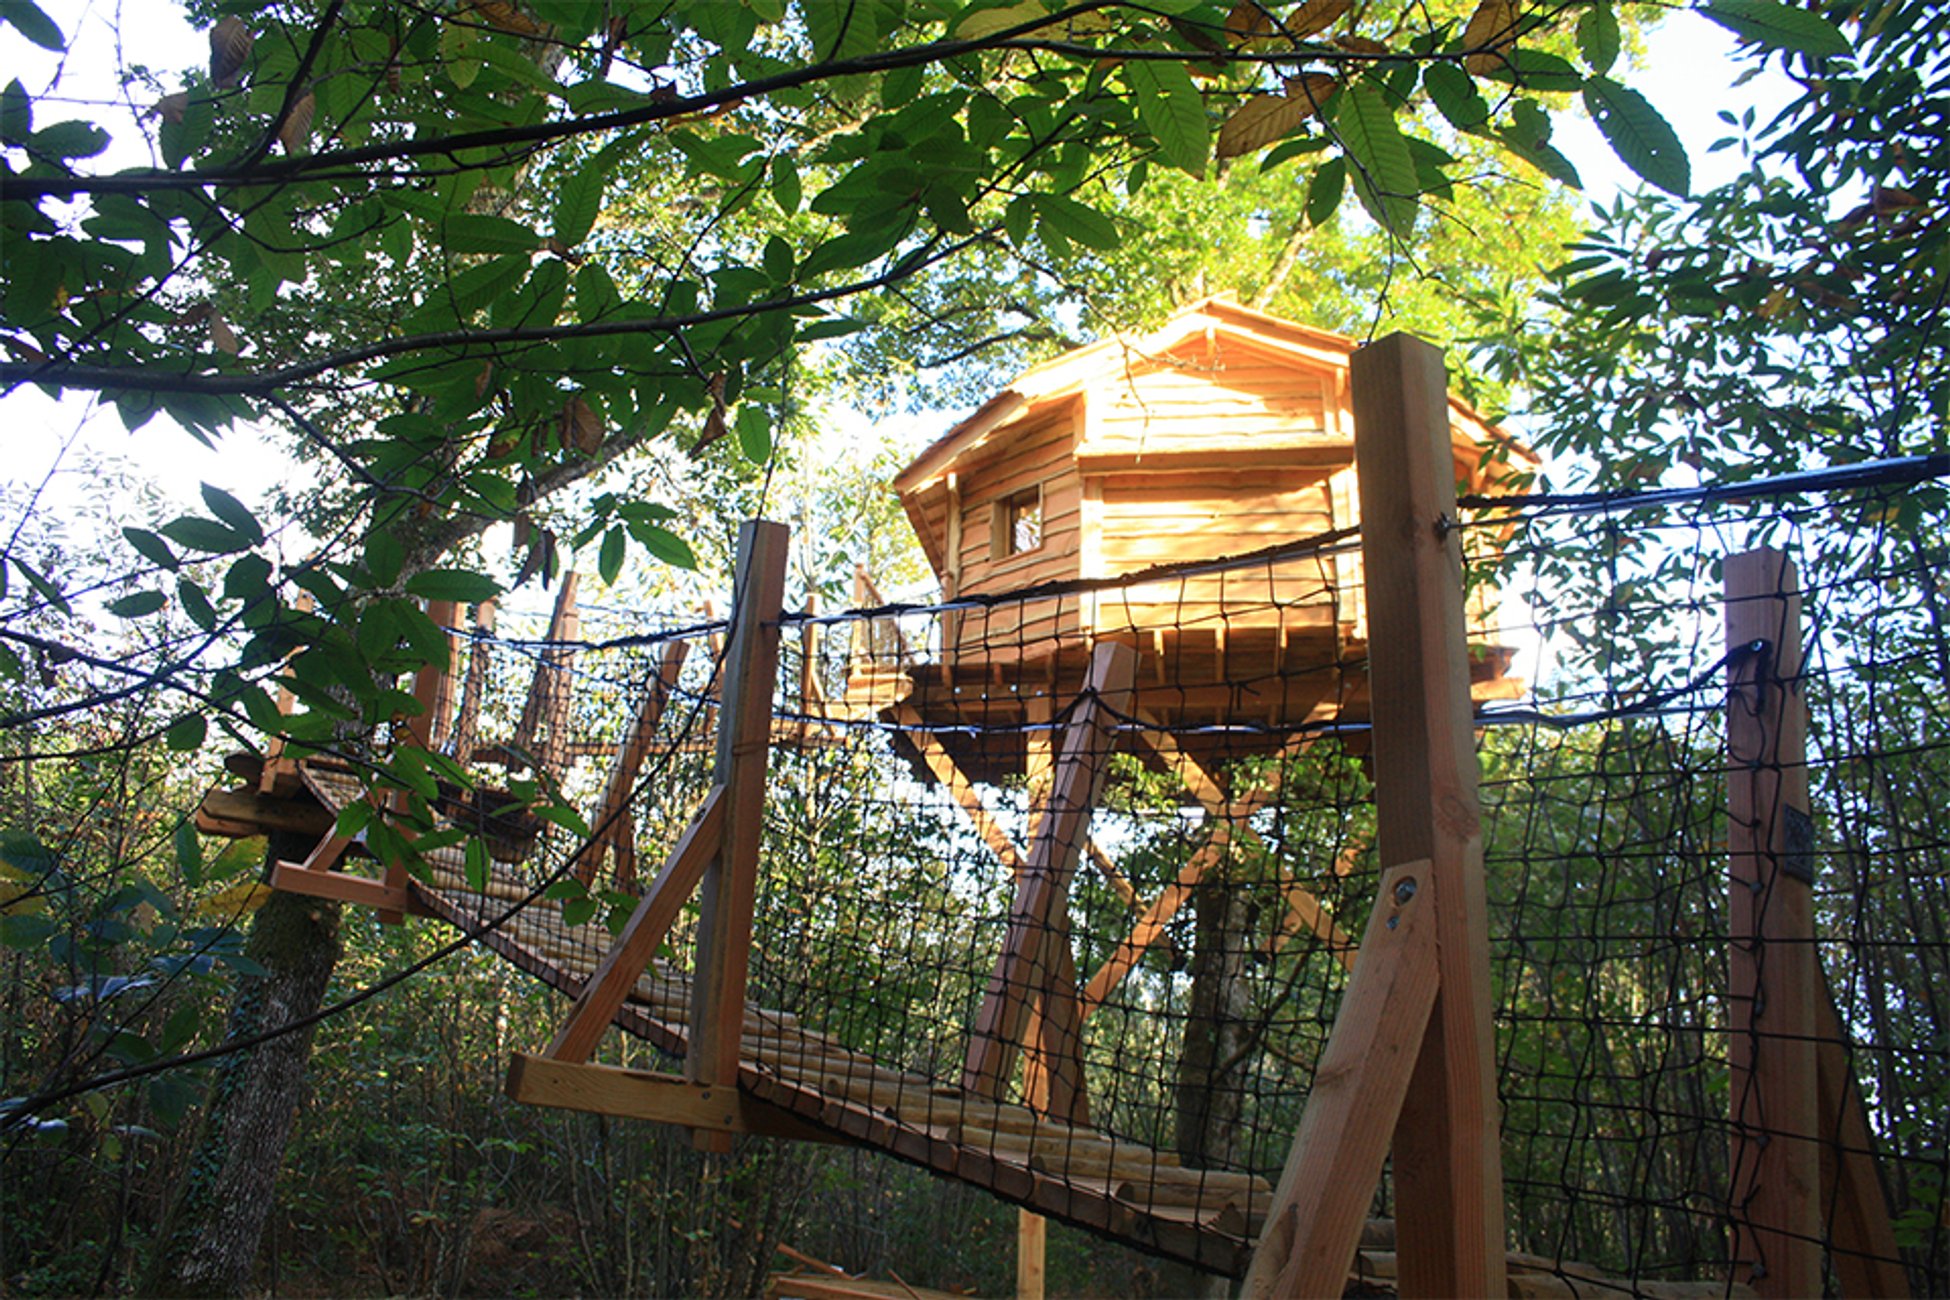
(1223, 433)
(1226, 432)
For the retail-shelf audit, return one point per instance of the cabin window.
(1018, 526)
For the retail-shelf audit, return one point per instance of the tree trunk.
(1209, 1096)
(210, 1239)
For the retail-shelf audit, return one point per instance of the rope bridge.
(1168, 905)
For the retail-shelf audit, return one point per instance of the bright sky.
(1687, 71)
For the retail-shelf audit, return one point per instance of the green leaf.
(1325, 190)
(16, 113)
(186, 733)
(36, 26)
(478, 866)
(453, 584)
(596, 294)
(1455, 95)
(233, 512)
(1598, 39)
(1544, 157)
(196, 604)
(203, 535)
(1075, 221)
(69, 140)
(189, 853)
(1382, 167)
(479, 286)
(384, 556)
(476, 233)
(666, 546)
(1778, 26)
(151, 547)
(353, 818)
(1169, 105)
(1536, 70)
(579, 911)
(44, 587)
(609, 561)
(567, 818)
(786, 191)
(755, 434)
(139, 605)
(1639, 136)
(579, 202)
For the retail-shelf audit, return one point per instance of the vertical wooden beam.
(1040, 1066)
(724, 933)
(611, 821)
(1772, 972)
(1024, 967)
(1032, 1242)
(469, 714)
(430, 684)
(275, 763)
(1322, 1199)
(550, 677)
(1448, 1165)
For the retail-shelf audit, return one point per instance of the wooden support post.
(1448, 1162)
(1024, 967)
(1032, 1244)
(276, 765)
(611, 822)
(1322, 1201)
(550, 683)
(1772, 971)
(724, 932)
(469, 713)
(430, 689)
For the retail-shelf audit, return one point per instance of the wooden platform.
(1223, 699)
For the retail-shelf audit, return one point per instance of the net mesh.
(1081, 937)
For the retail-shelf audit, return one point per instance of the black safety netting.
(1074, 923)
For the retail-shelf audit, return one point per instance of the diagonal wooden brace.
(627, 958)
(1335, 1163)
(1023, 970)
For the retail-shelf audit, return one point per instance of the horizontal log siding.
(1236, 399)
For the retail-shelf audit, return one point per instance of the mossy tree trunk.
(209, 1242)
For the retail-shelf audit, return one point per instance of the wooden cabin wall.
(1236, 396)
(1041, 453)
(1153, 519)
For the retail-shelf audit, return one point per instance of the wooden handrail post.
(724, 935)
(1447, 1162)
(1773, 975)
